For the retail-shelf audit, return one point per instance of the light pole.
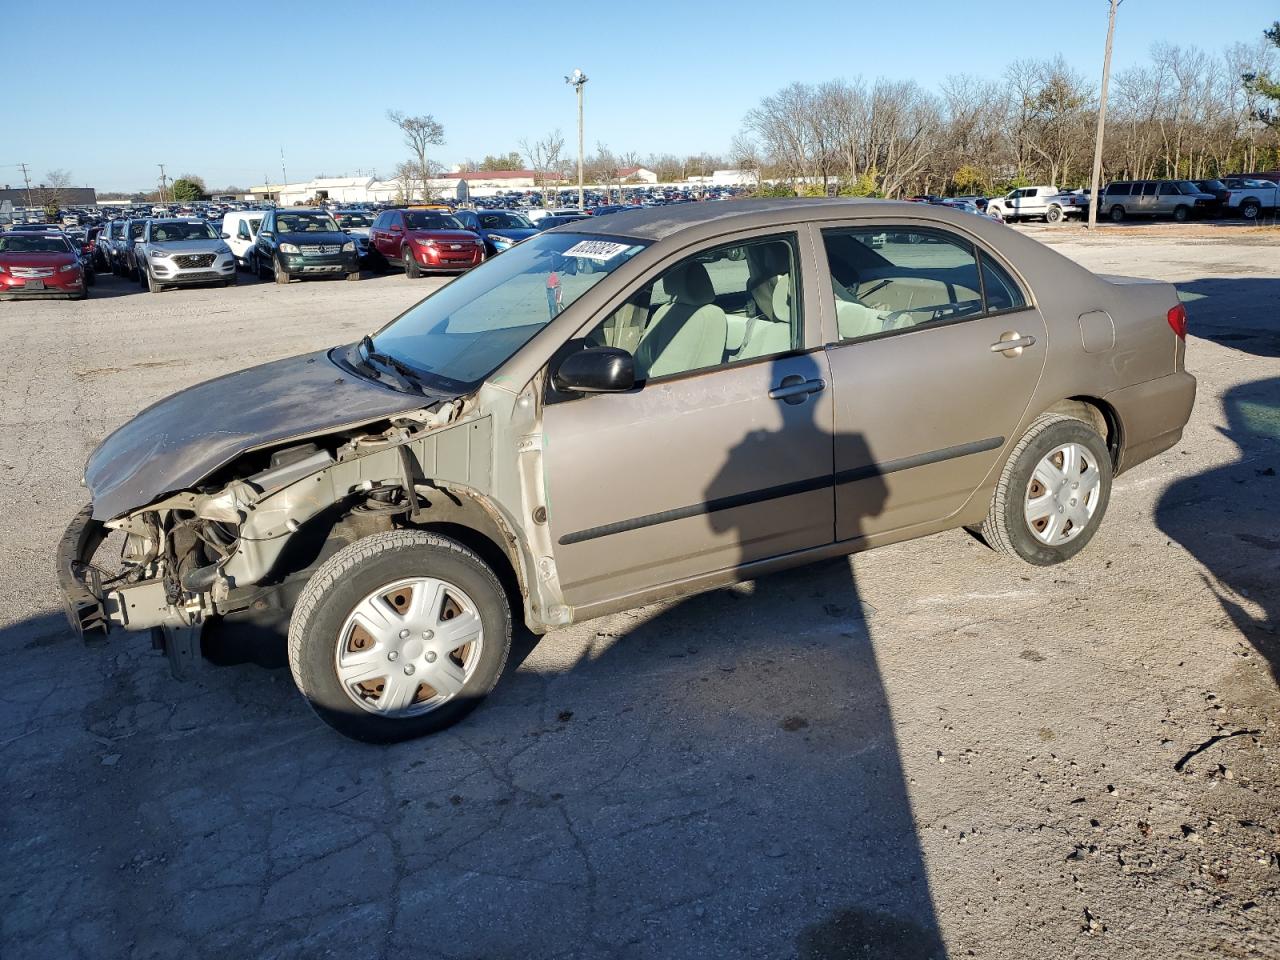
(1102, 118)
(579, 80)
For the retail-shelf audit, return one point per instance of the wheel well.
(1100, 414)
(494, 556)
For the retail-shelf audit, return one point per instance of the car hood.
(447, 236)
(189, 246)
(179, 441)
(22, 259)
(514, 233)
(308, 238)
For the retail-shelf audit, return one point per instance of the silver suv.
(173, 252)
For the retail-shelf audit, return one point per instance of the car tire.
(1181, 213)
(353, 275)
(152, 285)
(1116, 213)
(377, 573)
(411, 268)
(1053, 215)
(1027, 519)
(1250, 210)
(79, 296)
(281, 274)
(90, 278)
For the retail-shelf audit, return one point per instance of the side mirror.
(597, 370)
(224, 235)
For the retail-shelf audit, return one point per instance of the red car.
(423, 241)
(40, 265)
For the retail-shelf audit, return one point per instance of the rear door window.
(888, 280)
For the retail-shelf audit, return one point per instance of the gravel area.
(924, 751)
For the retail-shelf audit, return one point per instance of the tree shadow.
(1225, 517)
(1237, 312)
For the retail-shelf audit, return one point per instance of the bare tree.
(54, 189)
(420, 134)
(545, 160)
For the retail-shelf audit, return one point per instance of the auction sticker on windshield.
(597, 249)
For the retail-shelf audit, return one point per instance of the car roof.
(659, 223)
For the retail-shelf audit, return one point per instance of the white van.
(240, 230)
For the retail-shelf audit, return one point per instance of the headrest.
(773, 258)
(782, 300)
(690, 285)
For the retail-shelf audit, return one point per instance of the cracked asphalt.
(924, 751)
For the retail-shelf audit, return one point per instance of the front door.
(722, 456)
(923, 403)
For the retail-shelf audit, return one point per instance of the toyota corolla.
(622, 410)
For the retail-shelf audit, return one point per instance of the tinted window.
(1001, 292)
(1118, 189)
(1149, 188)
(728, 304)
(1169, 190)
(430, 220)
(306, 223)
(897, 279)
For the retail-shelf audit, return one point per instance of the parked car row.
(1245, 196)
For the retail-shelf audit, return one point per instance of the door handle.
(794, 389)
(1012, 343)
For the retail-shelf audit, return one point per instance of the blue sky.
(194, 87)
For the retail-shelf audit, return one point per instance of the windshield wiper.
(400, 372)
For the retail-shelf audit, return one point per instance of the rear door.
(925, 399)
(723, 455)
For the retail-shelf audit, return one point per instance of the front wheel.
(152, 285)
(1052, 493)
(399, 635)
(411, 268)
(281, 274)
(1117, 214)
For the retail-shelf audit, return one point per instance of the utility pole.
(26, 178)
(579, 80)
(164, 183)
(284, 176)
(1102, 118)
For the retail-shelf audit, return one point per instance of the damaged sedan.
(616, 412)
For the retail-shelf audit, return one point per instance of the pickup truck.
(1048, 202)
(1251, 197)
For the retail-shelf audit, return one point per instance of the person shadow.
(1225, 518)
(797, 700)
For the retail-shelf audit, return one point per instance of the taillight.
(1177, 317)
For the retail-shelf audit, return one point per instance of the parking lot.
(923, 751)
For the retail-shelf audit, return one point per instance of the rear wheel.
(1052, 493)
(1117, 213)
(1053, 215)
(411, 268)
(1181, 213)
(1250, 210)
(399, 635)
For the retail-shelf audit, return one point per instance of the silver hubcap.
(1063, 494)
(409, 647)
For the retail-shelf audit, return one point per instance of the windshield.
(347, 220)
(1213, 184)
(504, 221)
(471, 326)
(430, 220)
(33, 243)
(175, 232)
(305, 223)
